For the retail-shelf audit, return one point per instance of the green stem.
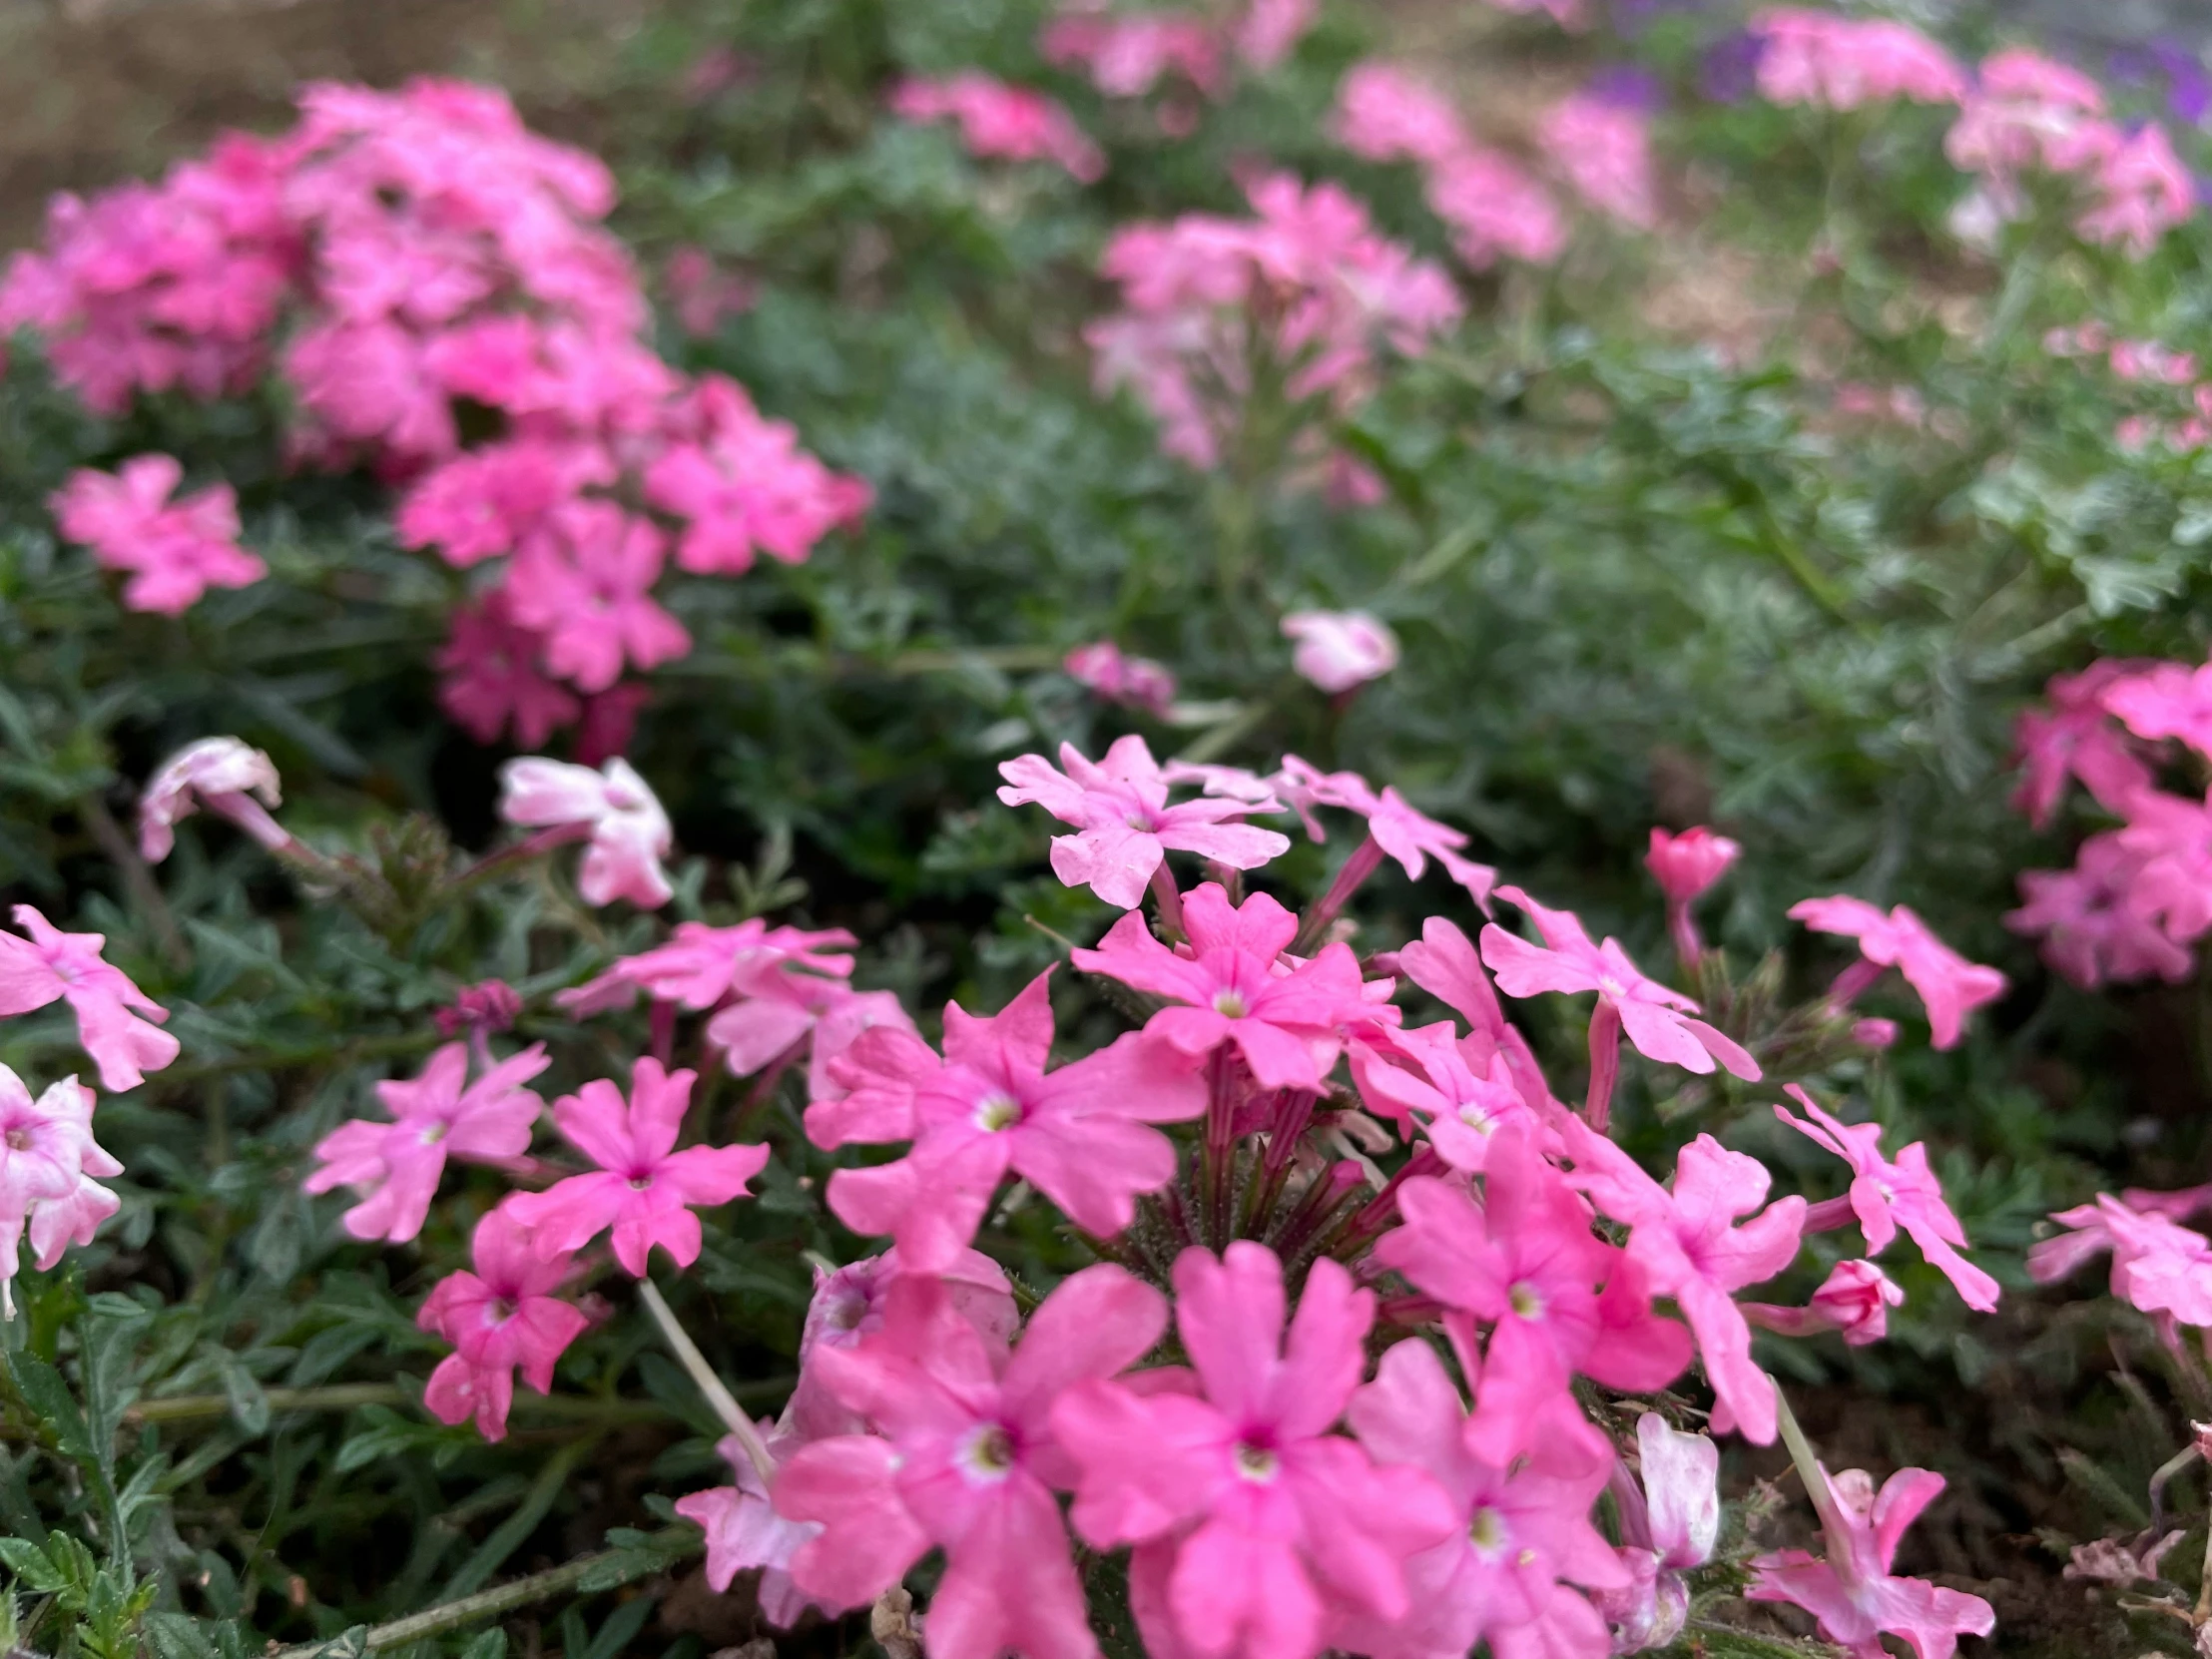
(138, 880)
(348, 1396)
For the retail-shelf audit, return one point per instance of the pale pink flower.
(1389, 113)
(644, 1188)
(1396, 830)
(745, 485)
(1002, 122)
(1137, 682)
(745, 1534)
(2142, 190)
(968, 1456)
(1687, 865)
(2027, 111)
(1120, 805)
(1838, 63)
(1523, 1535)
(2136, 360)
(1950, 986)
(1127, 53)
(112, 1012)
(1690, 1248)
(2120, 1563)
(490, 674)
(175, 551)
(396, 1166)
(1853, 1593)
(583, 580)
(48, 1159)
(1080, 1135)
(1247, 1510)
(2077, 739)
(500, 1317)
(1338, 650)
(1669, 1522)
(1854, 1298)
(1559, 1300)
(1885, 1195)
(1286, 1021)
(224, 775)
(1603, 149)
(1270, 30)
(2088, 918)
(1495, 208)
(629, 832)
(1655, 1018)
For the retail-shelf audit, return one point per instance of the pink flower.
(2092, 1231)
(1079, 1135)
(48, 1159)
(396, 1166)
(1854, 1298)
(1232, 989)
(629, 831)
(2087, 917)
(1669, 1522)
(487, 502)
(1557, 1298)
(489, 675)
(1836, 63)
(1494, 208)
(1136, 681)
(703, 295)
(2167, 700)
(1688, 864)
(1458, 1108)
(174, 551)
(2143, 189)
(1120, 805)
(745, 485)
(1338, 650)
(1524, 1528)
(1127, 53)
(1270, 30)
(1246, 1510)
(1689, 1248)
(2170, 842)
(1852, 1593)
(644, 1187)
(1001, 121)
(53, 966)
(1886, 1196)
(967, 1458)
(1387, 114)
(744, 1533)
(1603, 149)
(1442, 963)
(220, 774)
(2158, 1266)
(1395, 828)
(583, 580)
(1950, 986)
(488, 1007)
(2076, 739)
(502, 1316)
(1655, 1018)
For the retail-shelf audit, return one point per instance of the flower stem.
(724, 1405)
(1365, 860)
(1169, 899)
(1605, 1064)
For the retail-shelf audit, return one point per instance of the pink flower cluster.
(1602, 148)
(2138, 896)
(1137, 682)
(1306, 289)
(419, 253)
(1002, 122)
(1131, 53)
(1840, 63)
(1495, 206)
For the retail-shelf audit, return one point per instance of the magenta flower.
(1458, 1108)
(1950, 986)
(1854, 1298)
(745, 1534)
(1000, 121)
(1250, 1515)
(967, 1459)
(52, 965)
(1653, 1016)
(484, 502)
(1137, 682)
(1120, 805)
(1559, 1300)
(1852, 1593)
(175, 552)
(502, 1316)
(1686, 866)
(1689, 1248)
(220, 774)
(1524, 1529)
(584, 581)
(2171, 840)
(1338, 650)
(2170, 699)
(644, 1188)
(1233, 989)
(396, 1166)
(2087, 917)
(1080, 1135)
(1886, 1196)
(2077, 739)
(490, 675)
(613, 807)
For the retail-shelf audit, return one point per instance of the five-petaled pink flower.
(1338, 650)
(2077, 737)
(967, 1457)
(1460, 1109)
(1853, 1593)
(1395, 828)
(54, 965)
(643, 1188)
(584, 581)
(745, 1534)
(439, 1115)
(1231, 988)
(175, 551)
(48, 1161)
(1949, 985)
(2170, 840)
(1250, 1515)
(629, 832)
(1656, 1019)
(224, 775)
(2158, 1266)
(1689, 1248)
(1886, 1196)
(2088, 920)
(2167, 700)
(1119, 805)
(1080, 1135)
(501, 1316)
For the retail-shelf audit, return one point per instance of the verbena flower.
(48, 1168)
(223, 775)
(502, 1317)
(174, 551)
(1001, 122)
(112, 1012)
(615, 807)
(1949, 986)
(1339, 649)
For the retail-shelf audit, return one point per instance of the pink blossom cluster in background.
(2150, 365)
(2138, 896)
(1602, 147)
(397, 258)
(1306, 286)
(1130, 53)
(1001, 122)
(1841, 63)
(1137, 682)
